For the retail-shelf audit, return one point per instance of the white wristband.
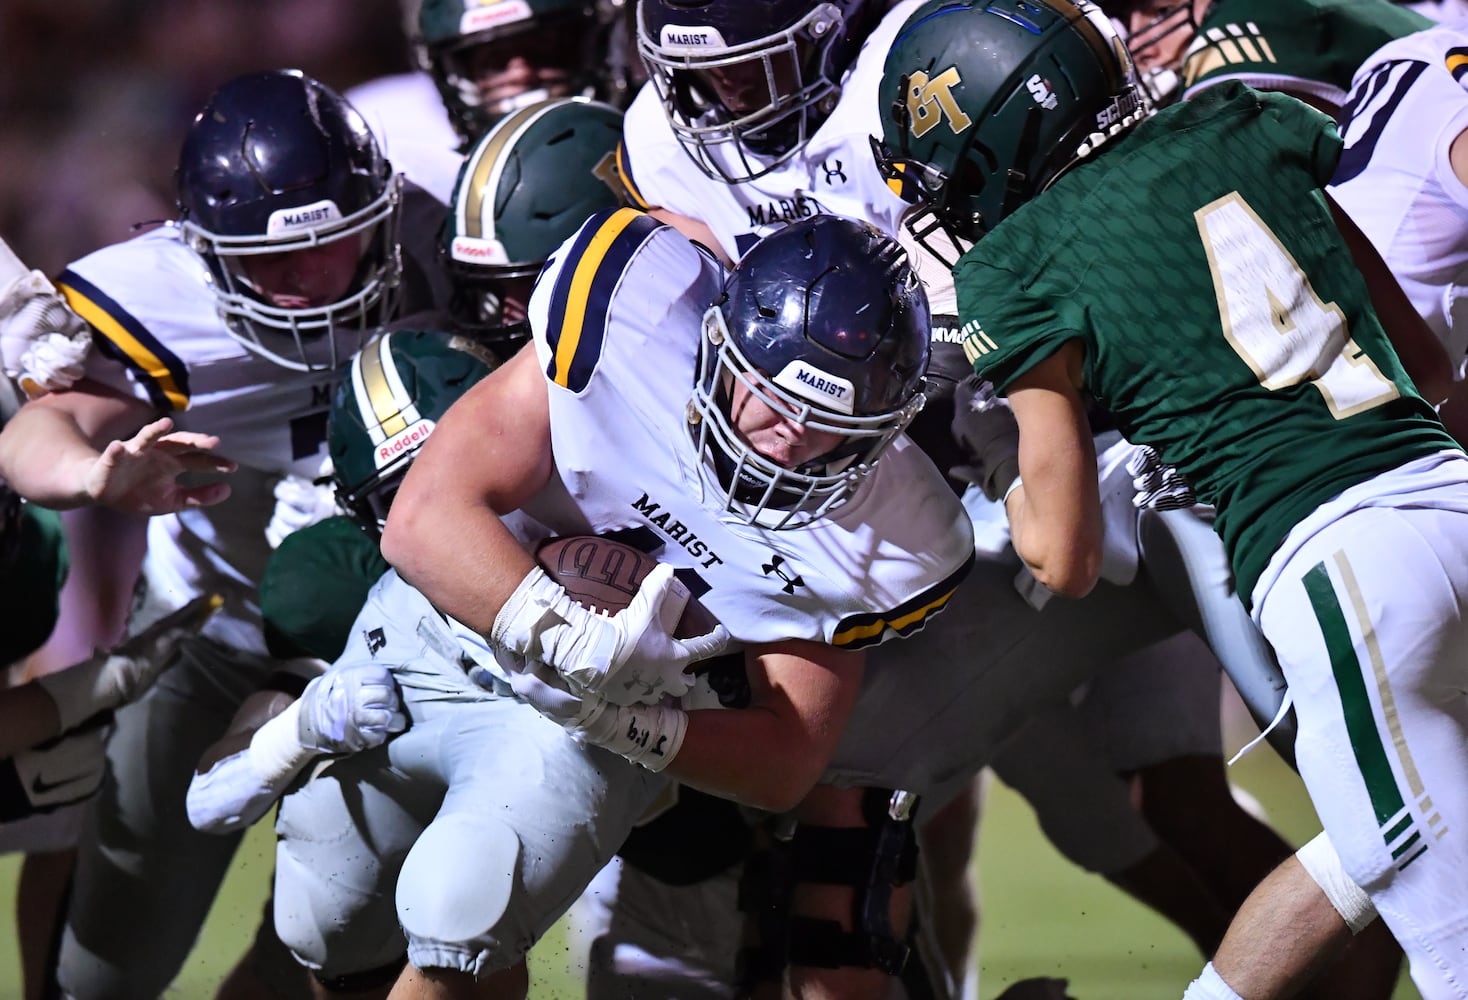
(276, 752)
(649, 735)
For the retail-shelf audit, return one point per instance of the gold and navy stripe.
(1401, 831)
(582, 296)
(123, 338)
(1457, 62)
(624, 171)
(860, 631)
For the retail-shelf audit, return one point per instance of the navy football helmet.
(826, 323)
(277, 162)
(745, 83)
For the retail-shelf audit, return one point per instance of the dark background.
(95, 96)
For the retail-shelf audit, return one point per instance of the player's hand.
(987, 436)
(56, 773)
(142, 474)
(1158, 486)
(299, 503)
(110, 680)
(349, 709)
(628, 658)
(649, 735)
(43, 344)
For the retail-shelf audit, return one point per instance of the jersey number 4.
(1273, 319)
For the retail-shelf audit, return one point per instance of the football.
(603, 574)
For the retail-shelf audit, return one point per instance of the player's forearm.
(45, 457)
(751, 756)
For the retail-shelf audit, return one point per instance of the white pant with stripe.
(1366, 604)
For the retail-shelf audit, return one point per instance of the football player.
(757, 116)
(760, 455)
(1309, 49)
(217, 334)
(1403, 178)
(1350, 553)
(478, 62)
(760, 115)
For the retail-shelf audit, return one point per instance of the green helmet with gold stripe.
(985, 102)
(523, 189)
(397, 388)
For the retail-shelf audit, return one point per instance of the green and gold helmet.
(461, 42)
(386, 406)
(985, 102)
(523, 190)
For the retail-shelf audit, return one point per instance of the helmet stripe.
(475, 208)
(384, 406)
(162, 373)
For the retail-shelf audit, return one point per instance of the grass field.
(1041, 915)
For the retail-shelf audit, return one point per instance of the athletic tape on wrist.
(1324, 865)
(276, 752)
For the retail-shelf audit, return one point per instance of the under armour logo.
(833, 172)
(375, 640)
(791, 580)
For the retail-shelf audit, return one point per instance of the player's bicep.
(492, 446)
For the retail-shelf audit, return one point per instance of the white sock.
(1210, 986)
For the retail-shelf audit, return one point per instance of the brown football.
(603, 574)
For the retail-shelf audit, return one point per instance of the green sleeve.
(33, 571)
(313, 587)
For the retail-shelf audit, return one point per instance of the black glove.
(987, 438)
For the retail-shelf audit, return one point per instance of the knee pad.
(437, 898)
(873, 861)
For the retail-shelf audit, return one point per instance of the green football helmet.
(456, 39)
(986, 102)
(522, 191)
(394, 392)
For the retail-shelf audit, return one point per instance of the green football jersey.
(314, 585)
(1301, 46)
(1223, 320)
(33, 566)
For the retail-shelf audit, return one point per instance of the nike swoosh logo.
(40, 786)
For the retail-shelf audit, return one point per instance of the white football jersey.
(616, 317)
(834, 174)
(159, 338)
(1407, 105)
(408, 118)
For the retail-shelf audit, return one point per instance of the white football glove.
(649, 735)
(58, 772)
(43, 344)
(349, 709)
(109, 680)
(1158, 486)
(299, 503)
(627, 658)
